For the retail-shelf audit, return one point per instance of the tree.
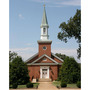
(62, 56)
(72, 29)
(12, 55)
(70, 71)
(18, 72)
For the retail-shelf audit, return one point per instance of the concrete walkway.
(46, 86)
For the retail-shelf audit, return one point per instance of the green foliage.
(12, 55)
(72, 29)
(63, 84)
(29, 85)
(79, 84)
(62, 56)
(18, 72)
(14, 85)
(70, 71)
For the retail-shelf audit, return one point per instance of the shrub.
(14, 85)
(18, 71)
(63, 84)
(29, 85)
(79, 84)
(70, 71)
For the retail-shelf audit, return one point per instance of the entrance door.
(44, 73)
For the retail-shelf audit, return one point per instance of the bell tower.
(44, 43)
(44, 26)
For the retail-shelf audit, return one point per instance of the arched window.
(44, 30)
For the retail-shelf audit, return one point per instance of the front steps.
(44, 80)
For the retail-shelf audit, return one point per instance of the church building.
(44, 65)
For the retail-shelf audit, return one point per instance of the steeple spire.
(44, 19)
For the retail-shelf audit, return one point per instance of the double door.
(44, 73)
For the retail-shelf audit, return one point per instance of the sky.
(25, 20)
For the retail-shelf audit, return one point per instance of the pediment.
(45, 60)
(40, 60)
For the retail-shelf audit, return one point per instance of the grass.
(72, 85)
(24, 86)
(57, 83)
(21, 86)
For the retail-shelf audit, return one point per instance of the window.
(44, 59)
(44, 31)
(44, 48)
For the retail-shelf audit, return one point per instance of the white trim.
(42, 57)
(57, 57)
(31, 57)
(44, 64)
(44, 67)
(44, 41)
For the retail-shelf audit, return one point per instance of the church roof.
(32, 60)
(44, 19)
(42, 57)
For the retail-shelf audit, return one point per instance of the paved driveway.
(47, 86)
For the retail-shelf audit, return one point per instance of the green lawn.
(57, 83)
(24, 86)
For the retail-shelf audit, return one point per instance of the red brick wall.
(47, 51)
(34, 71)
(53, 72)
(57, 60)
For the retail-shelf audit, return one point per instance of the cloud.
(20, 16)
(68, 52)
(29, 44)
(72, 3)
(59, 3)
(41, 1)
(25, 53)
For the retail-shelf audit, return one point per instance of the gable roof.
(33, 62)
(31, 57)
(47, 57)
(57, 57)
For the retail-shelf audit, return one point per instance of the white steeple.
(44, 27)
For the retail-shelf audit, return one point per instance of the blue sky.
(25, 20)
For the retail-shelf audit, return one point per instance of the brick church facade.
(44, 64)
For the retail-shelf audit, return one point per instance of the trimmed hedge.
(79, 84)
(29, 85)
(63, 84)
(14, 85)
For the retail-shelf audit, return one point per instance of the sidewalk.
(46, 86)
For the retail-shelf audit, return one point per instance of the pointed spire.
(44, 19)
